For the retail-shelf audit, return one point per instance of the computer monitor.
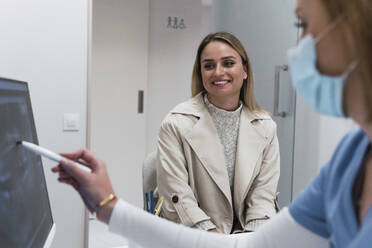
(25, 214)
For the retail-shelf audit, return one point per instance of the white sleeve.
(151, 231)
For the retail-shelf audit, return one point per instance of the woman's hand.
(92, 187)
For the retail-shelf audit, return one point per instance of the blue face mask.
(324, 93)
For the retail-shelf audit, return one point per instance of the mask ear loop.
(351, 67)
(329, 28)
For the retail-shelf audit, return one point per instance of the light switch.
(71, 122)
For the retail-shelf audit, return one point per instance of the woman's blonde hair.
(247, 90)
(358, 15)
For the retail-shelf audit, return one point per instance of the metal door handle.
(278, 68)
(140, 101)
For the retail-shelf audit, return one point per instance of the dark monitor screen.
(25, 213)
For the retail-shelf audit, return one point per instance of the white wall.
(171, 58)
(45, 43)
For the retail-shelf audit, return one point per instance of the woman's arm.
(280, 232)
(260, 201)
(180, 204)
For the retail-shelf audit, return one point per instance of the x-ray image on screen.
(25, 214)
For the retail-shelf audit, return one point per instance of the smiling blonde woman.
(218, 153)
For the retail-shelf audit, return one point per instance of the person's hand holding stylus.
(94, 188)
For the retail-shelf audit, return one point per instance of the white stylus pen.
(49, 154)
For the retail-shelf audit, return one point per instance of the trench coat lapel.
(205, 142)
(251, 142)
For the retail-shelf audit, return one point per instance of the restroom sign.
(175, 22)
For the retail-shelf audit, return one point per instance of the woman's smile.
(221, 83)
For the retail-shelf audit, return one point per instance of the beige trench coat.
(192, 175)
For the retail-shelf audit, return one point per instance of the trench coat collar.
(196, 107)
(204, 140)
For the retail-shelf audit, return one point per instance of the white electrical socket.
(71, 122)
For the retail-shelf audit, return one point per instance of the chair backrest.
(149, 174)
